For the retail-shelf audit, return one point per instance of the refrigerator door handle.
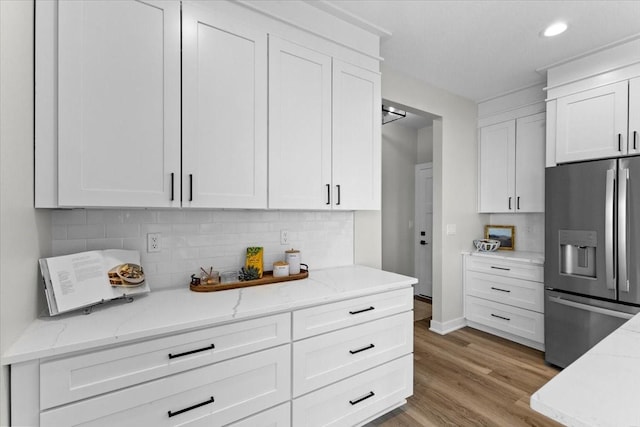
(623, 178)
(592, 308)
(609, 230)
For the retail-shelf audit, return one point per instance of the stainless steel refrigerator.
(592, 250)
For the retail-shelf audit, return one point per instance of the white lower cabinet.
(214, 396)
(505, 297)
(351, 361)
(357, 399)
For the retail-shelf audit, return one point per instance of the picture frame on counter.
(506, 234)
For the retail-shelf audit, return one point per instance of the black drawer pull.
(501, 268)
(186, 353)
(363, 310)
(500, 317)
(197, 405)
(501, 290)
(370, 346)
(355, 402)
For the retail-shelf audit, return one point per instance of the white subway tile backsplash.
(207, 238)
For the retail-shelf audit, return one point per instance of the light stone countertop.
(168, 311)
(601, 388)
(522, 256)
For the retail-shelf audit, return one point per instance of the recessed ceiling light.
(555, 29)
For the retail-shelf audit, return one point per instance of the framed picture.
(506, 234)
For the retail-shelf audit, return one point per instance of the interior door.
(579, 223)
(424, 229)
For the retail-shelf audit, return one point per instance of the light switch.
(451, 229)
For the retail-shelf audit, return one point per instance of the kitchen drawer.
(280, 416)
(328, 358)
(519, 293)
(358, 398)
(524, 323)
(329, 317)
(213, 395)
(78, 377)
(506, 268)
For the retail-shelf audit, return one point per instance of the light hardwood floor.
(470, 378)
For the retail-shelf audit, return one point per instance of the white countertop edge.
(321, 282)
(554, 414)
(520, 256)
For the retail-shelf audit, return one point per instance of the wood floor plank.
(471, 378)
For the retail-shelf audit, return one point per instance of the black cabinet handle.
(186, 353)
(191, 187)
(423, 242)
(518, 203)
(356, 401)
(328, 194)
(619, 142)
(338, 194)
(369, 347)
(172, 180)
(500, 268)
(501, 290)
(500, 317)
(635, 139)
(363, 310)
(197, 405)
(509, 203)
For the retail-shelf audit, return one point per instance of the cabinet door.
(634, 116)
(497, 167)
(224, 117)
(530, 152)
(299, 127)
(592, 124)
(118, 103)
(356, 150)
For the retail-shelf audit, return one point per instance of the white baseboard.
(444, 328)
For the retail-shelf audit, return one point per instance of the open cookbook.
(87, 278)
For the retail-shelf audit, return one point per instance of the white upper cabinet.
(356, 137)
(511, 165)
(530, 151)
(224, 112)
(497, 167)
(299, 127)
(634, 116)
(118, 103)
(324, 131)
(592, 124)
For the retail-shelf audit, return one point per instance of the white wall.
(205, 238)
(529, 229)
(399, 153)
(455, 184)
(425, 145)
(24, 232)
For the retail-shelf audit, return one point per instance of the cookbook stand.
(126, 298)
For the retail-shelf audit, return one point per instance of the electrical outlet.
(153, 242)
(284, 237)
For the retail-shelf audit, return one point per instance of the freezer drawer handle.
(591, 308)
(369, 347)
(500, 268)
(368, 395)
(501, 290)
(197, 405)
(500, 317)
(363, 310)
(186, 353)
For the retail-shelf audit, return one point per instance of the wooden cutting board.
(267, 278)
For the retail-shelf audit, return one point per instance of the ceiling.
(483, 49)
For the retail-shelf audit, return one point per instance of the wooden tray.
(267, 278)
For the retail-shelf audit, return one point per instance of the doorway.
(407, 152)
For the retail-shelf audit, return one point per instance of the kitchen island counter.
(601, 388)
(169, 311)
